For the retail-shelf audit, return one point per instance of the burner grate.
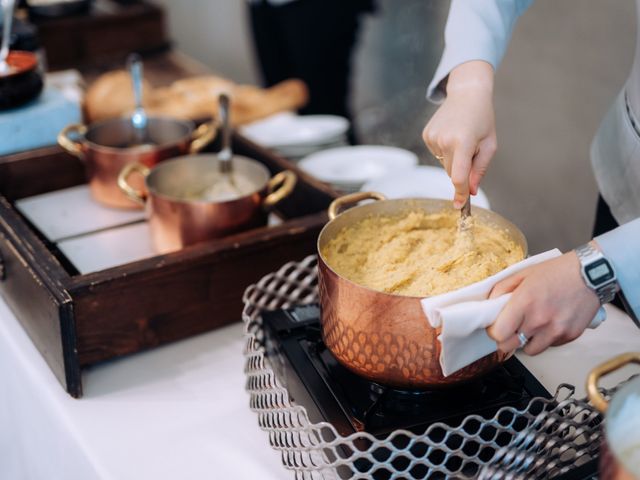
(546, 439)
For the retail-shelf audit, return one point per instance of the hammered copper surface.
(384, 337)
(610, 467)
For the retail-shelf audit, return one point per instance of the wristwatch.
(598, 273)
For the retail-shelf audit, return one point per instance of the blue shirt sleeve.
(622, 247)
(475, 30)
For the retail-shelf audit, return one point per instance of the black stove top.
(332, 393)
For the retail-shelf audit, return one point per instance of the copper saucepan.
(381, 336)
(106, 147)
(177, 220)
(620, 449)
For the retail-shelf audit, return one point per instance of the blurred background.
(566, 62)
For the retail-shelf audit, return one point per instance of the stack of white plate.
(296, 136)
(349, 168)
(423, 181)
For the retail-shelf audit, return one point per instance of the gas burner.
(332, 393)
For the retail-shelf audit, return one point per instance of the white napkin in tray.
(464, 315)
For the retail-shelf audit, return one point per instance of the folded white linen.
(464, 314)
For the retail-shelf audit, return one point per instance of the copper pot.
(177, 221)
(620, 448)
(381, 336)
(105, 148)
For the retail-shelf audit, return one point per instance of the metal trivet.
(546, 439)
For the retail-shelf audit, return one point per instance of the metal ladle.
(463, 244)
(7, 20)
(223, 185)
(465, 214)
(139, 118)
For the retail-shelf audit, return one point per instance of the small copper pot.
(619, 444)
(105, 148)
(177, 222)
(381, 336)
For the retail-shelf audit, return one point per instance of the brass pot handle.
(352, 198)
(280, 186)
(593, 393)
(71, 146)
(135, 195)
(202, 136)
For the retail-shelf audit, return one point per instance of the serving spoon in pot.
(223, 185)
(462, 247)
(139, 118)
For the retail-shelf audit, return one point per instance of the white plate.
(357, 165)
(288, 129)
(422, 181)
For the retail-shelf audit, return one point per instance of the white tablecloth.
(180, 411)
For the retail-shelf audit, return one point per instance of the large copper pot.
(386, 337)
(106, 147)
(177, 221)
(620, 448)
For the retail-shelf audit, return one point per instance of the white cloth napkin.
(464, 315)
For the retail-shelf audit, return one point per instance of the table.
(180, 411)
(177, 412)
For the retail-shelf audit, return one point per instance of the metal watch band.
(586, 253)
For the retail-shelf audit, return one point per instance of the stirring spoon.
(139, 119)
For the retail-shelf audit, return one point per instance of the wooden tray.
(78, 320)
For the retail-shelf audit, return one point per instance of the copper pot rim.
(191, 126)
(444, 203)
(178, 200)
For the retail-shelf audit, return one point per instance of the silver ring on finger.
(523, 339)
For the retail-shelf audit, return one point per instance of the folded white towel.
(464, 315)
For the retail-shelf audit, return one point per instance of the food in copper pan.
(418, 253)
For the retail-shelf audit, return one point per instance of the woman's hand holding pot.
(550, 305)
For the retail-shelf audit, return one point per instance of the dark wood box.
(106, 34)
(78, 320)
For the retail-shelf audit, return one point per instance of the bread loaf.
(193, 98)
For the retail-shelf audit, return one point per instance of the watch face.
(599, 272)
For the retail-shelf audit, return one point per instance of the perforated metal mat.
(546, 439)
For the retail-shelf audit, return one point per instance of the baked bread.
(192, 98)
(111, 95)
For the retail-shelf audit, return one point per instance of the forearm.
(474, 76)
(622, 247)
(475, 30)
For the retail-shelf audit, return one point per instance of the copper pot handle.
(202, 136)
(135, 195)
(593, 393)
(352, 198)
(280, 186)
(71, 146)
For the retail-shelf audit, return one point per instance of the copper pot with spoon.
(381, 336)
(107, 147)
(201, 197)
